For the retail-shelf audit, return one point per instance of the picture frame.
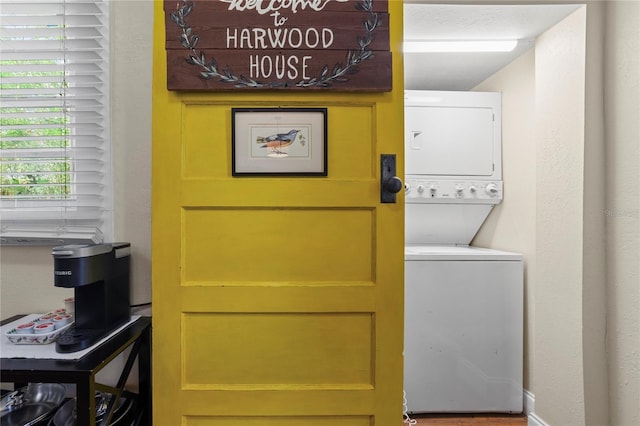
(279, 141)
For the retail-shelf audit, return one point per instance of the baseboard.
(529, 402)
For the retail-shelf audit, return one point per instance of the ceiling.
(463, 71)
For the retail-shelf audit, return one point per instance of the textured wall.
(132, 40)
(622, 209)
(560, 134)
(511, 224)
(594, 362)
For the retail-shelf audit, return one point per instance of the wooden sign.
(278, 44)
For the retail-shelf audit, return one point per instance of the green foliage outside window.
(27, 130)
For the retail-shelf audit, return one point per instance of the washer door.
(463, 336)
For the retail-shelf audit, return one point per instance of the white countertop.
(47, 351)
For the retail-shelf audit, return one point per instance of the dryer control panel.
(420, 190)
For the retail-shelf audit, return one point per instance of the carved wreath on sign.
(338, 73)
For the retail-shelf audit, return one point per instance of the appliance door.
(463, 335)
(450, 141)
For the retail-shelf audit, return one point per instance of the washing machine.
(463, 339)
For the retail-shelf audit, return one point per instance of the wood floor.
(468, 420)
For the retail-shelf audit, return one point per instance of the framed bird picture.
(279, 141)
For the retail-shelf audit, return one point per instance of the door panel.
(280, 245)
(337, 345)
(282, 421)
(276, 300)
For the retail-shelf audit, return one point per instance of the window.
(55, 180)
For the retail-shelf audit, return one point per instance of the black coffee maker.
(100, 277)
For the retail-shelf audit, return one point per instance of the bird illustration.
(277, 141)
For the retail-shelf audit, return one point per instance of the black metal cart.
(82, 372)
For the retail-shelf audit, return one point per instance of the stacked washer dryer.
(463, 304)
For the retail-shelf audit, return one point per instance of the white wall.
(594, 307)
(560, 133)
(575, 377)
(511, 224)
(26, 281)
(132, 38)
(622, 209)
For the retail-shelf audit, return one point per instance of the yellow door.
(277, 301)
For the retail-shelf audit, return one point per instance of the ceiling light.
(458, 46)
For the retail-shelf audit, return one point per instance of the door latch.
(390, 184)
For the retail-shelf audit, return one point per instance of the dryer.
(463, 304)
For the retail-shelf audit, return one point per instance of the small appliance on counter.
(100, 277)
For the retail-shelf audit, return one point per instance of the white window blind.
(54, 125)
